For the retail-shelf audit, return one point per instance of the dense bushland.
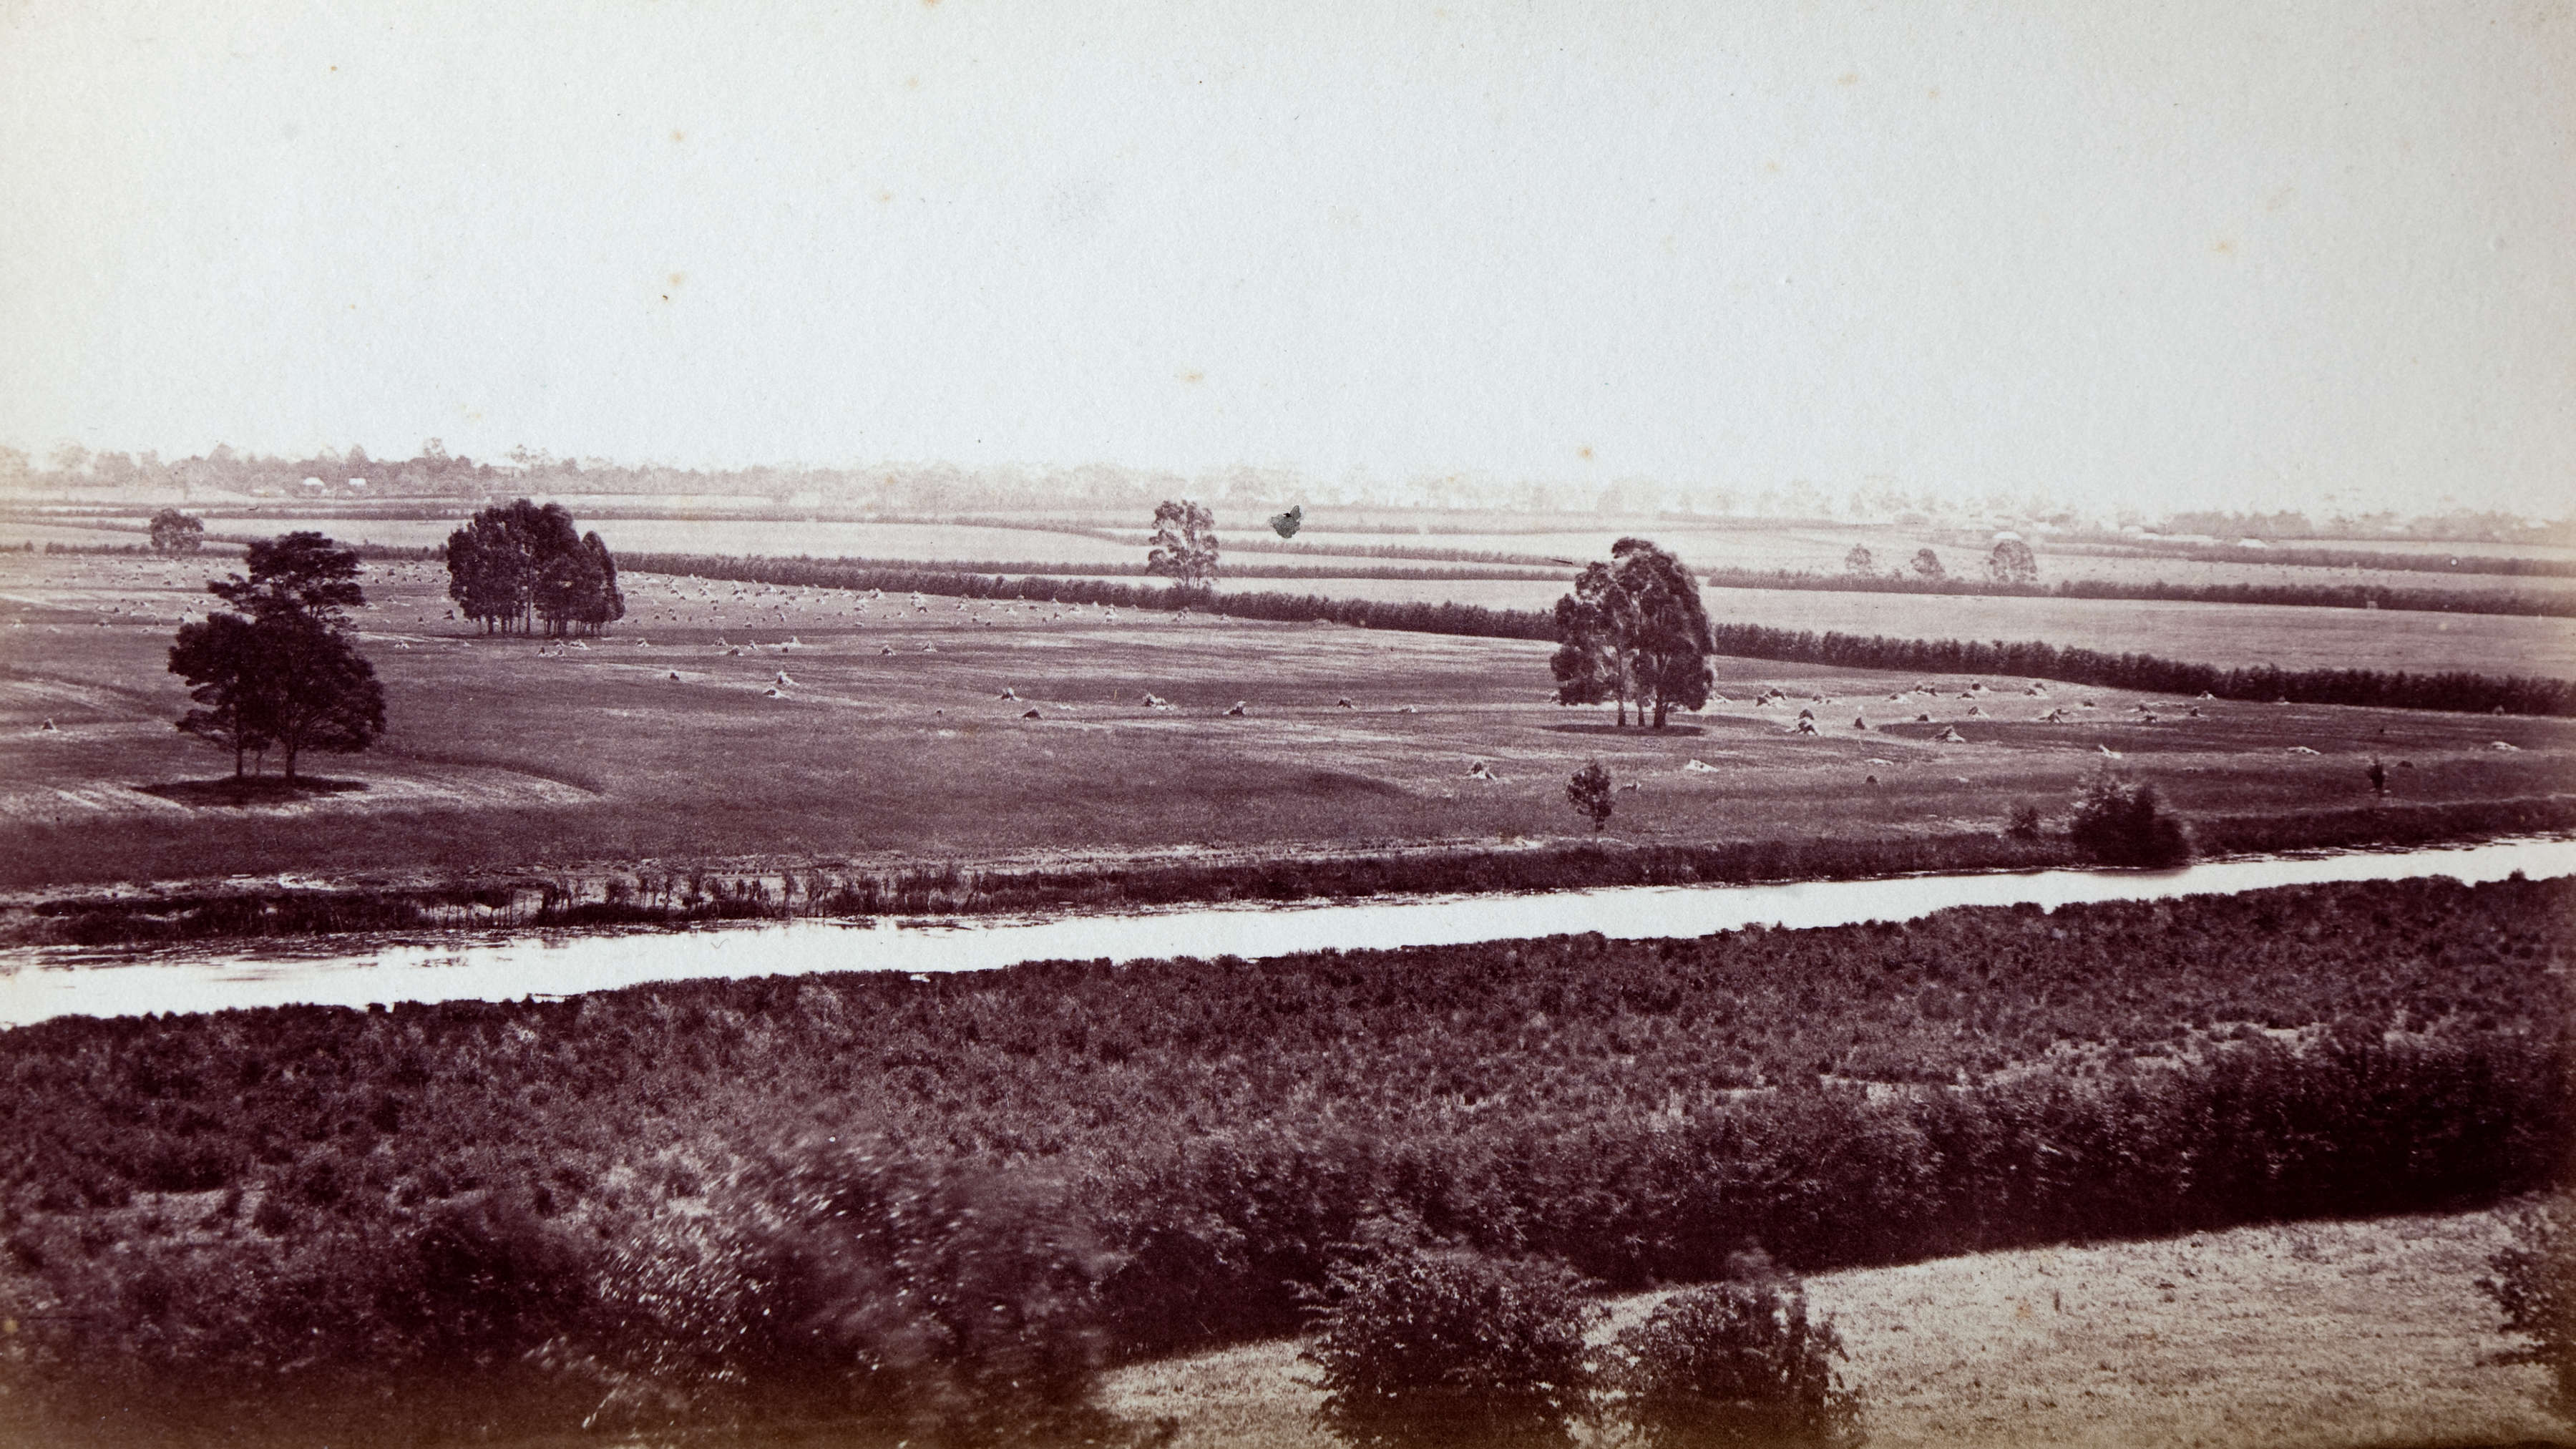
(734, 1201)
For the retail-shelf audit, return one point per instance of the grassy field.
(2359, 1334)
(2221, 634)
(893, 737)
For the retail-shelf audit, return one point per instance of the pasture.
(2222, 634)
(944, 728)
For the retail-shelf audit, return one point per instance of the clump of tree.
(2010, 561)
(1436, 1347)
(2123, 822)
(1634, 627)
(1927, 564)
(518, 565)
(1859, 561)
(279, 670)
(1737, 1362)
(176, 532)
(1184, 546)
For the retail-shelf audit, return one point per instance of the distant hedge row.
(2458, 691)
(2551, 604)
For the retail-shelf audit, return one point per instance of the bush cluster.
(2119, 821)
(1447, 1347)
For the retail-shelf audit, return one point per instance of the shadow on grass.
(250, 790)
(1603, 729)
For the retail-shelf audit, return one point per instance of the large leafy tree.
(1184, 543)
(282, 672)
(1634, 627)
(515, 565)
(1669, 624)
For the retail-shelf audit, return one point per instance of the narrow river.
(36, 984)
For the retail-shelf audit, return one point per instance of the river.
(39, 983)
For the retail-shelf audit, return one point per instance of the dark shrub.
(2118, 822)
(2025, 822)
(1423, 1347)
(1735, 1363)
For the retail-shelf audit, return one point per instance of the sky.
(2203, 254)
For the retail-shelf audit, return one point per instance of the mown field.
(871, 1197)
(891, 737)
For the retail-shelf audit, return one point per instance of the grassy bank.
(708, 1204)
(718, 892)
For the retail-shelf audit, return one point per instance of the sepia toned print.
(977, 724)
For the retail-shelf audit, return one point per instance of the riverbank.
(659, 894)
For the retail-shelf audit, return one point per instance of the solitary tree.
(1928, 564)
(1588, 791)
(1670, 638)
(176, 532)
(2012, 562)
(1858, 561)
(1184, 544)
(282, 671)
(1633, 626)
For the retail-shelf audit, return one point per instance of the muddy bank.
(658, 893)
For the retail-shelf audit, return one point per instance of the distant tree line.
(2553, 604)
(518, 564)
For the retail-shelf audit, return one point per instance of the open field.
(893, 738)
(2220, 634)
(543, 1206)
(2311, 1335)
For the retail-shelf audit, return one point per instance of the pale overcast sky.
(2225, 253)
